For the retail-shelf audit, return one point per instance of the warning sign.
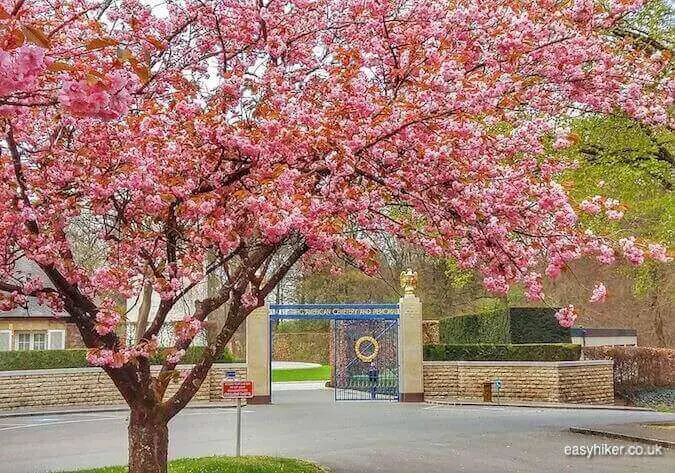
(237, 389)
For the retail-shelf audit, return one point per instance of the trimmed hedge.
(536, 325)
(517, 325)
(488, 327)
(637, 367)
(503, 352)
(76, 358)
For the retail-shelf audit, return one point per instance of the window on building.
(23, 341)
(30, 340)
(39, 341)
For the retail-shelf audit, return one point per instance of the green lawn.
(229, 465)
(320, 373)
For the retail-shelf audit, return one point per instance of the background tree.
(622, 159)
(233, 138)
(444, 288)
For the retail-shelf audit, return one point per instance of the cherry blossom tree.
(231, 138)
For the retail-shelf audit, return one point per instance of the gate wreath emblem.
(363, 356)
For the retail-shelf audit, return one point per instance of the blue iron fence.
(365, 346)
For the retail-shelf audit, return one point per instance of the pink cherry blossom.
(107, 98)
(175, 357)
(631, 251)
(188, 328)
(659, 253)
(599, 293)
(590, 207)
(20, 68)
(566, 316)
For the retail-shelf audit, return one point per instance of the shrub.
(488, 327)
(637, 367)
(54, 359)
(518, 325)
(42, 359)
(654, 398)
(536, 325)
(503, 352)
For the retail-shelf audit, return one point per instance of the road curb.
(102, 410)
(541, 406)
(620, 436)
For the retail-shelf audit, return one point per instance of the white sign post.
(233, 389)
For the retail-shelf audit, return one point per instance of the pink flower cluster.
(106, 320)
(496, 284)
(534, 289)
(658, 253)
(249, 299)
(633, 254)
(20, 68)
(592, 206)
(566, 316)
(188, 328)
(105, 357)
(599, 293)
(602, 251)
(107, 98)
(175, 357)
(12, 300)
(596, 203)
(612, 209)
(118, 358)
(32, 286)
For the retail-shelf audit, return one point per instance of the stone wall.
(90, 387)
(579, 382)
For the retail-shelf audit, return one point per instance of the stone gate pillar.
(410, 351)
(258, 354)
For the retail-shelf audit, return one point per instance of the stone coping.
(96, 369)
(533, 364)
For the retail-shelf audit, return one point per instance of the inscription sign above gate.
(324, 311)
(334, 311)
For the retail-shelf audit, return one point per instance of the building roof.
(603, 332)
(25, 268)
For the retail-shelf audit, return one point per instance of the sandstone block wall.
(90, 386)
(589, 384)
(580, 382)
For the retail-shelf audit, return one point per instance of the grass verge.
(228, 465)
(320, 373)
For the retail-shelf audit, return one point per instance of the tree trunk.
(148, 442)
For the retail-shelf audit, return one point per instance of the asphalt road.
(348, 437)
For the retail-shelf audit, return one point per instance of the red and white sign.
(237, 389)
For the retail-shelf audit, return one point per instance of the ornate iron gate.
(366, 359)
(365, 346)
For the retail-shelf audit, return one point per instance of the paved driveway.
(348, 437)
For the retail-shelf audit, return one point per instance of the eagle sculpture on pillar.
(408, 280)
